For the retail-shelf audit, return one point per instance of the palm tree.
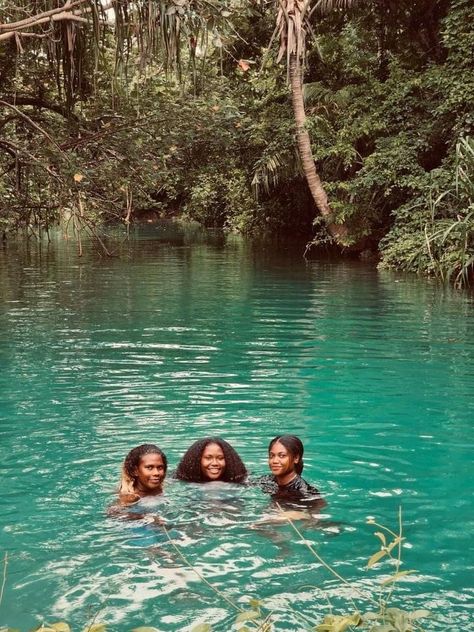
(292, 26)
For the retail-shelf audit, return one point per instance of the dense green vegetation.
(180, 108)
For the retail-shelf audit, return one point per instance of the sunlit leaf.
(248, 615)
(61, 626)
(96, 627)
(419, 614)
(339, 623)
(370, 616)
(375, 558)
(78, 177)
(397, 576)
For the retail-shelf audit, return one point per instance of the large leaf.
(202, 627)
(248, 615)
(376, 557)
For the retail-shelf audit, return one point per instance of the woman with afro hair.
(211, 459)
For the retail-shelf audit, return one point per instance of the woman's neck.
(146, 492)
(286, 478)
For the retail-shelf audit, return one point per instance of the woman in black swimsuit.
(285, 459)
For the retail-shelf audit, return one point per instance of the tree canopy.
(112, 111)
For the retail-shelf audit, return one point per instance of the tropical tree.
(292, 27)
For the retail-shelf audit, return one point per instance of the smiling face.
(212, 462)
(282, 463)
(150, 474)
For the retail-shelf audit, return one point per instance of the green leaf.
(248, 615)
(375, 558)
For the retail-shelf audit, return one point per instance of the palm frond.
(326, 6)
(274, 168)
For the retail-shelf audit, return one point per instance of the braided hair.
(295, 447)
(132, 461)
(189, 468)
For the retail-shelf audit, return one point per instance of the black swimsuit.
(297, 489)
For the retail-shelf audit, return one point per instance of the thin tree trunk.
(338, 231)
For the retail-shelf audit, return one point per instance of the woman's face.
(280, 460)
(213, 462)
(150, 473)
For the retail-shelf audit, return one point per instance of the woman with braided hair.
(211, 459)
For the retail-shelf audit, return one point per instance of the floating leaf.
(375, 558)
(202, 627)
(248, 615)
(255, 603)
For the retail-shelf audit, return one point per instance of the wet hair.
(295, 447)
(132, 461)
(189, 468)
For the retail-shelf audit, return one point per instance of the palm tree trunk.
(338, 231)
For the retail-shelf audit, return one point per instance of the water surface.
(181, 336)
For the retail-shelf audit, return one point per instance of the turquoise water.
(181, 336)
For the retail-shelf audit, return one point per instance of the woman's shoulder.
(302, 486)
(267, 483)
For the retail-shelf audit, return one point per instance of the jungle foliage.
(130, 110)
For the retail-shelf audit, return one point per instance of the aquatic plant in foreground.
(379, 617)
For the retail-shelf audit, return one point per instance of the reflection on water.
(180, 336)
